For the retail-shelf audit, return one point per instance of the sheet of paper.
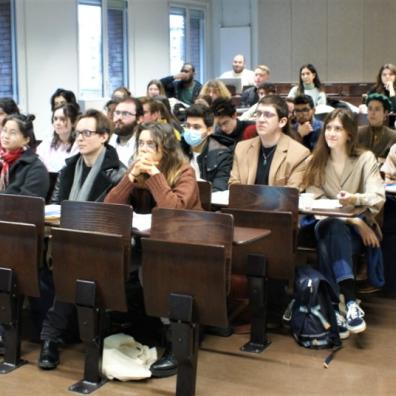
(220, 198)
(390, 187)
(141, 222)
(326, 204)
(52, 211)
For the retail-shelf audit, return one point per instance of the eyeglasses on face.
(124, 114)
(149, 144)
(86, 133)
(265, 114)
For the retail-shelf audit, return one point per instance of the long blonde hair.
(172, 155)
(315, 173)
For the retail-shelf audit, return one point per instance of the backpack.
(313, 322)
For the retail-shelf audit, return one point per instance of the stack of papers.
(326, 204)
(220, 198)
(141, 222)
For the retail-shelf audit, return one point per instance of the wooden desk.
(242, 235)
(345, 211)
(245, 235)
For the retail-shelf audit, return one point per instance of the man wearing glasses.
(272, 158)
(87, 176)
(127, 115)
(306, 128)
(182, 86)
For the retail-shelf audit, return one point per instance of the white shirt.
(247, 76)
(54, 159)
(126, 150)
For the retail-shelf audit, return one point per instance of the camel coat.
(360, 176)
(287, 167)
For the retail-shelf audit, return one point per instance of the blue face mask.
(192, 138)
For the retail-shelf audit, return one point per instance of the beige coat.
(360, 176)
(287, 167)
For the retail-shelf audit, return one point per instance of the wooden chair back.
(18, 251)
(193, 226)
(93, 244)
(89, 256)
(25, 209)
(187, 253)
(260, 197)
(205, 194)
(275, 208)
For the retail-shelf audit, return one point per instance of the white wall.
(347, 40)
(47, 55)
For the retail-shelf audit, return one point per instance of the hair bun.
(30, 117)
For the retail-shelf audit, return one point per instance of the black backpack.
(313, 322)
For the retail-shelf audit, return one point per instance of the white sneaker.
(354, 317)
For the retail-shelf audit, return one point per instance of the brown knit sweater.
(184, 195)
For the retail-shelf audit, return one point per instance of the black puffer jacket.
(215, 160)
(110, 174)
(28, 176)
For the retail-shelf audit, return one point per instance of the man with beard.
(239, 71)
(182, 86)
(127, 115)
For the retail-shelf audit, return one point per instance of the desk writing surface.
(220, 198)
(344, 211)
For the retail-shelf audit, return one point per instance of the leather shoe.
(49, 356)
(166, 366)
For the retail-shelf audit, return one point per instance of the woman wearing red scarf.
(22, 172)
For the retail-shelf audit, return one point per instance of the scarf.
(80, 192)
(6, 160)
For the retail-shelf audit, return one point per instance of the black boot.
(167, 364)
(49, 355)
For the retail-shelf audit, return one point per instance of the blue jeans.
(337, 242)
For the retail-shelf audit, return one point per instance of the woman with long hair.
(385, 84)
(54, 150)
(309, 84)
(339, 169)
(161, 168)
(155, 88)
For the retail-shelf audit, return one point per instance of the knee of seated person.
(331, 225)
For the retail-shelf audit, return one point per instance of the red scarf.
(6, 160)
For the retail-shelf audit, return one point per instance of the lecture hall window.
(8, 80)
(187, 38)
(103, 60)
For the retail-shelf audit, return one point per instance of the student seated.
(22, 172)
(340, 170)
(305, 128)
(54, 150)
(161, 169)
(309, 84)
(272, 158)
(212, 152)
(376, 136)
(87, 176)
(227, 121)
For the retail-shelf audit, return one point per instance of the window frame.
(107, 5)
(188, 8)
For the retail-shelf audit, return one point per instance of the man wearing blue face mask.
(213, 152)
